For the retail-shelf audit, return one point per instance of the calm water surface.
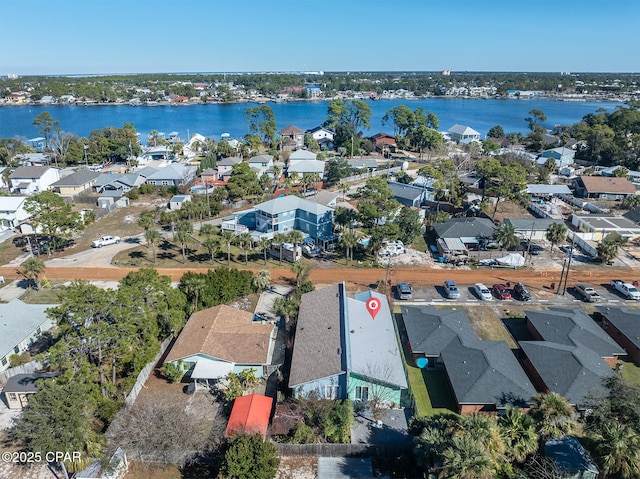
(213, 120)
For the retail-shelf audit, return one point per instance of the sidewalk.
(11, 291)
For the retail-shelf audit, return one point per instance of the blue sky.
(141, 36)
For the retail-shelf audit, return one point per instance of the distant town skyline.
(119, 37)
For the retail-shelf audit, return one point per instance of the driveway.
(95, 257)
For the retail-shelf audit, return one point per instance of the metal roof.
(17, 321)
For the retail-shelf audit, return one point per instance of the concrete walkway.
(12, 291)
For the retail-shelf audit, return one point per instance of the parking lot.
(543, 295)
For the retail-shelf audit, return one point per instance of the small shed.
(20, 387)
(177, 201)
(250, 414)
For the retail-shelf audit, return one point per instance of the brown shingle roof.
(226, 333)
(604, 184)
(317, 347)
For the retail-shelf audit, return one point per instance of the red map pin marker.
(373, 306)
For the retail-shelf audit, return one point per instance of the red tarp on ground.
(250, 414)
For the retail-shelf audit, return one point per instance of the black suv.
(520, 291)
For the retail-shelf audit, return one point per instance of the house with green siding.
(341, 351)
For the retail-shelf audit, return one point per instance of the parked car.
(482, 292)
(521, 293)
(451, 290)
(587, 293)
(105, 240)
(627, 290)
(501, 291)
(404, 290)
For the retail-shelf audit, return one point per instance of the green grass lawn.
(46, 295)
(630, 372)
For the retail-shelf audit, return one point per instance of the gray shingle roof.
(28, 172)
(317, 352)
(21, 383)
(573, 327)
(531, 224)
(626, 320)
(486, 372)
(79, 178)
(573, 372)
(229, 161)
(17, 321)
(465, 227)
(407, 192)
(430, 330)
(289, 203)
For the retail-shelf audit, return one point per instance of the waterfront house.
(602, 187)
(463, 134)
(342, 352)
(38, 144)
(21, 387)
(22, 325)
(292, 137)
(12, 212)
(321, 133)
(28, 180)
(75, 183)
(384, 141)
(623, 326)
(219, 340)
(563, 157)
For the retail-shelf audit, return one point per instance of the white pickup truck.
(105, 240)
(627, 290)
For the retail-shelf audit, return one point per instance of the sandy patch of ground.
(297, 468)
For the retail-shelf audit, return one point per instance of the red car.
(501, 291)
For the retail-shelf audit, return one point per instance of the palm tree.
(618, 447)
(193, 284)
(32, 269)
(261, 279)
(264, 244)
(245, 240)
(153, 237)
(344, 189)
(486, 430)
(519, 434)
(348, 240)
(212, 243)
(146, 220)
(556, 233)
(300, 269)
(607, 250)
(280, 238)
(208, 229)
(228, 237)
(296, 237)
(553, 416)
(506, 235)
(466, 458)
(183, 236)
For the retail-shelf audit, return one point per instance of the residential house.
(341, 351)
(224, 167)
(39, 144)
(571, 459)
(12, 212)
(302, 155)
(118, 182)
(603, 226)
(410, 195)
(32, 159)
(458, 235)
(430, 330)
(325, 198)
(261, 164)
(623, 326)
(175, 174)
(363, 164)
(485, 376)
(463, 134)
(288, 213)
(571, 338)
(176, 201)
(157, 153)
(633, 176)
(219, 340)
(563, 157)
(547, 191)
(602, 187)
(29, 180)
(293, 137)
(21, 387)
(21, 325)
(532, 228)
(75, 183)
(321, 133)
(384, 141)
(250, 414)
(304, 167)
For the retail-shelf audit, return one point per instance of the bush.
(147, 189)
(19, 359)
(249, 457)
(173, 372)
(133, 194)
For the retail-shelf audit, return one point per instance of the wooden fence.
(144, 374)
(338, 450)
